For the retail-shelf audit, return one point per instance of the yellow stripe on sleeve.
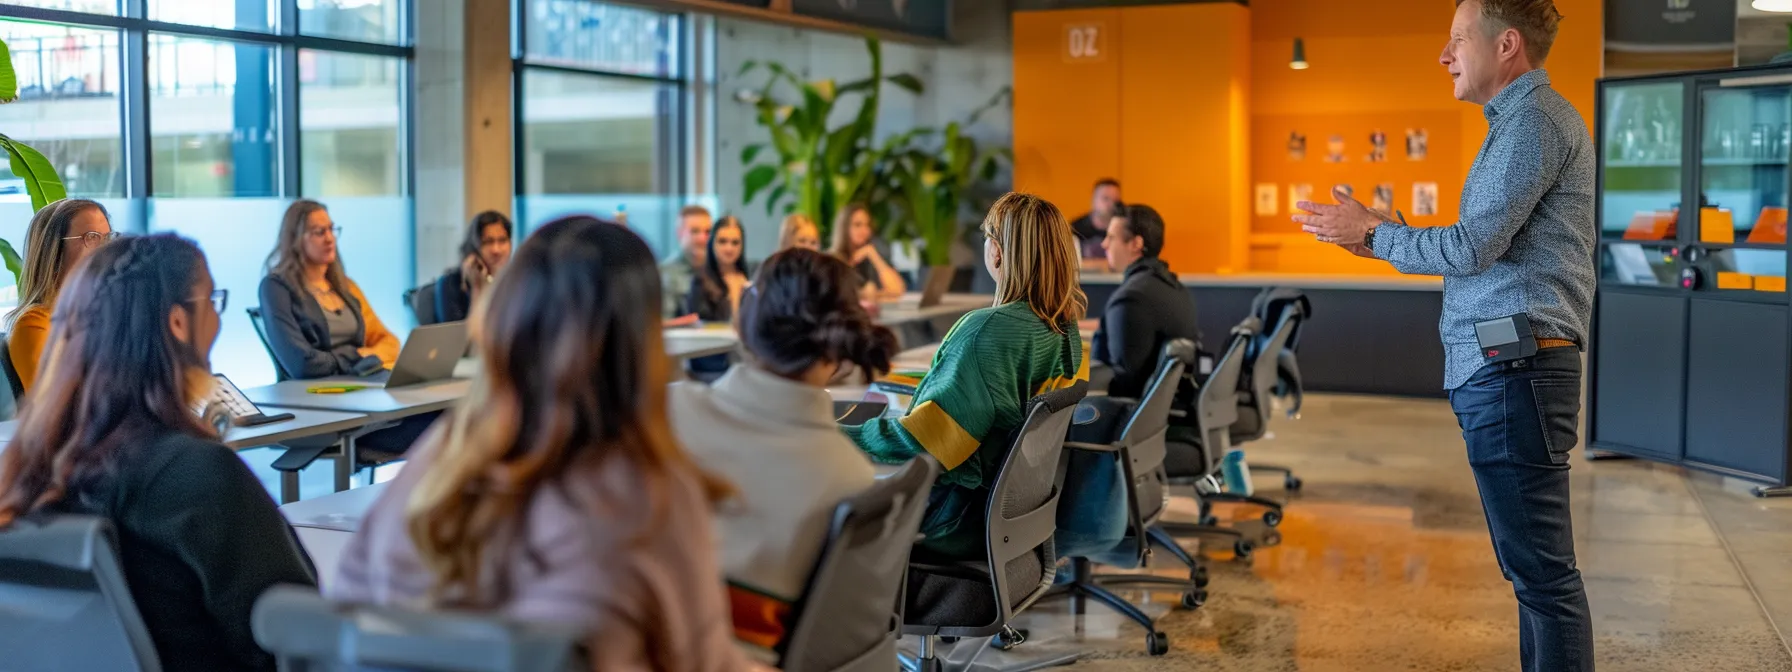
(940, 435)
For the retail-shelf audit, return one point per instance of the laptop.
(429, 355)
(243, 413)
(938, 281)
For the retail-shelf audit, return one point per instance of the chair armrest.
(1092, 447)
(297, 458)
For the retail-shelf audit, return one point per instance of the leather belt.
(1546, 343)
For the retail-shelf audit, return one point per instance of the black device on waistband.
(1506, 339)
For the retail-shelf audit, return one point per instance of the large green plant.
(930, 176)
(812, 168)
(41, 180)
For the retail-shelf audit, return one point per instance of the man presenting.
(1523, 247)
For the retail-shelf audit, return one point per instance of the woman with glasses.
(60, 236)
(318, 323)
(114, 434)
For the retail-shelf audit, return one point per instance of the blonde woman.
(799, 231)
(852, 244)
(60, 236)
(991, 363)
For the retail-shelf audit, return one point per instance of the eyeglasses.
(94, 238)
(220, 299)
(322, 231)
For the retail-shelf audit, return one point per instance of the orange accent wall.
(1192, 107)
(1164, 109)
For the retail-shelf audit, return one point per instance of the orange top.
(25, 345)
(379, 340)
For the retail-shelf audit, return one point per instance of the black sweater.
(199, 540)
(1150, 308)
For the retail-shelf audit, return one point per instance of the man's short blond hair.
(1535, 20)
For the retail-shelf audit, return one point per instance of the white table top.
(305, 423)
(340, 511)
(908, 309)
(378, 402)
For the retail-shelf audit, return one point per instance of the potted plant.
(930, 176)
(41, 179)
(811, 168)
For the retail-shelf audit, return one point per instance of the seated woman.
(112, 433)
(483, 254)
(990, 365)
(318, 323)
(852, 244)
(799, 231)
(60, 236)
(768, 426)
(556, 490)
(724, 275)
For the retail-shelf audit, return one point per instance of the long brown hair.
(287, 261)
(44, 246)
(788, 230)
(573, 372)
(1039, 259)
(114, 374)
(842, 246)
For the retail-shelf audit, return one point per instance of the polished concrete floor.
(1385, 564)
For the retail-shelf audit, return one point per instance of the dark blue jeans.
(1520, 419)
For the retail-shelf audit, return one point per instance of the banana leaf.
(9, 80)
(41, 180)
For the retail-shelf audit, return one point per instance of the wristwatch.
(1369, 238)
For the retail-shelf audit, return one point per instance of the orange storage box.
(1769, 283)
(1652, 226)
(1717, 225)
(1729, 280)
(1770, 228)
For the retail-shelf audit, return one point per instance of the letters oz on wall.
(1085, 42)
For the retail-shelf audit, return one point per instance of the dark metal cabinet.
(1736, 388)
(1636, 393)
(1690, 348)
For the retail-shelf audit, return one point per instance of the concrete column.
(463, 121)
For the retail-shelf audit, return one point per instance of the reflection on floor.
(1385, 564)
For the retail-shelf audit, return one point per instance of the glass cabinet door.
(1745, 137)
(1643, 129)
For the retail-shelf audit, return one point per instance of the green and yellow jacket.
(966, 410)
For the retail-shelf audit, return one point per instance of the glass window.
(256, 15)
(585, 34)
(596, 145)
(67, 107)
(361, 20)
(349, 121)
(89, 6)
(212, 110)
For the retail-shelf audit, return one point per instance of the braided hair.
(114, 372)
(803, 310)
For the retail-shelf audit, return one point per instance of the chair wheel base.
(1292, 483)
(1157, 643)
(1199, 576)
(1242, 550)
(1194, 599)
(1272, 517)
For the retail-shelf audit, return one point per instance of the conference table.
(305, 423)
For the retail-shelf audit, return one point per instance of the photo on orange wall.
(1334, 149)
(1267, 196)
(1424, 199)
(1378, 146)
(1384, 198)
(1418, 144)
(1298, 193)
(1297, 146)
(1344, 189)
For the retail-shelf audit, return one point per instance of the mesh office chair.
(303, 452)
(1140, 447)
(261, 331)
(64, 604)
(849, 619)
(422, 302)
(1192, 459)
(14, 389)
(977, 600)
(307, 633)
(1272, 371)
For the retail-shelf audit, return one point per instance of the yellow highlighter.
(335, 389)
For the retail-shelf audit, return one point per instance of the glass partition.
(1643, 128)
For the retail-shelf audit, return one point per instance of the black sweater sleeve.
(1127, 335)
(298, 357)
(205, 507)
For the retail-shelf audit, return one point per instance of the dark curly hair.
(804, 309)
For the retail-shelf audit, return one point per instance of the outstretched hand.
(1344, 224)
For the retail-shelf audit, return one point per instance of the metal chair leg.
(1179, 529)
